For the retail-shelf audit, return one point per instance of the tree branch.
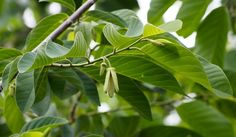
(75, 16)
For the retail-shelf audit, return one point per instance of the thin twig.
(73, 18)
(74, 108)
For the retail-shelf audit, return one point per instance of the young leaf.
(211, 39)
(157, 9)
(70, 4)
(205, 120)
(191, 13)
(116, 39)
(150, 30)
(172, 26)
(14, 117)
(42, 123)
(43, 29)
(167, 131)
(25, 93)
(32, 134)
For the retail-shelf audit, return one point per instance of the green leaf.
(157, 9)
(111, 5)
(135, 26)
(25, 93)
(172, 26)
(150, 30)
(106, 16)
(32, 134)
(70, 4)
(116, 39)
(178, 60)
(5, 131)
(227, 107)
(89, 125)
(64, 82)
(32, 60)
(9, 73)
(8, 53)
(205, 120)
(211, 39)
(14, 117)
(42, 123)
(229, 63)
(148, 72)
(123, 126)
(217, 78)
(79, 48)
(43, 29)
(86, 29)
(89, 88)
(167, 131)
(130, 92)
(191, 13)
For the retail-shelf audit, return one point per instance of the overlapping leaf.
(14, 117)
(217, 78)
(157, 9)
(106, 16)
(116, 39)
(178, 60)
(42, 123)
(43, 29)
(211, 39)
(205, 120)
(167, 131)
(7, 53)
(191, 13)
(25, 93)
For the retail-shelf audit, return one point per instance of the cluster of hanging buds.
(111, 82)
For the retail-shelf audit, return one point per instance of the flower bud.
(103, 66)
(111, 82)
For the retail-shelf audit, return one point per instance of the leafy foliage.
(107, 74)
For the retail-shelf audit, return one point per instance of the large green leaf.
(227, 107)
(43, 29)
(78, 49)
(64, 82)
(111, 5)
(25, 93)
(123, 126)
(89, 87)
(191, 13)
(9, 73)
(212, 36)
(205, 120)
(217, 78)
(32, 60)
(167, 131)
(70, 4)
(178, 60)
(157, 9)
(42, 123)
(135, 26)
(116, 39)
(130, 92)
(148, 72)
(8, 53)
(229, 63)
(86, 29)
(106, 16)
(14, 117)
